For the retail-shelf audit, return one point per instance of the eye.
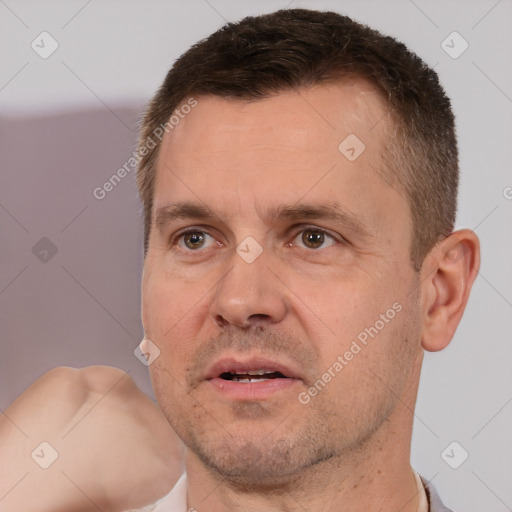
(193, 240)
(314, 238)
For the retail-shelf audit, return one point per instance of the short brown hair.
(296, 48)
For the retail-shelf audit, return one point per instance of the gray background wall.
(68, 122)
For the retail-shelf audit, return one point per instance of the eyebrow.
(329, 212)
(186, 210)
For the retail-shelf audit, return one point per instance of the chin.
(265, 465)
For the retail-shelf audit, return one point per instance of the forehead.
(325, 142)
(314, 118)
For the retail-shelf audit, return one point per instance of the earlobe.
(452, 268)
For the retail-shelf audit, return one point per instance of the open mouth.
(252, 376)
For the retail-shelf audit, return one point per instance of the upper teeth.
(252, 372)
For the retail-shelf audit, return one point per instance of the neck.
(375, 476)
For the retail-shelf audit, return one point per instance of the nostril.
(221, 321)
(256, 320)
(259, 317)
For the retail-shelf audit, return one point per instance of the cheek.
(172, 311)
(371, 366)
(342, 306)
(351, 315)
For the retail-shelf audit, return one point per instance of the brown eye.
(312, 238)
(194, 239)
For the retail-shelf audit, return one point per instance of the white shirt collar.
(422, 494)
(176, 500)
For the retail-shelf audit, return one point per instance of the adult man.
(299, 179)
(299, 257)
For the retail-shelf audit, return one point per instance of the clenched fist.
(106, 446)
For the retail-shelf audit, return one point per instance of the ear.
(447, 276)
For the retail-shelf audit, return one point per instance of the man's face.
(273, 280)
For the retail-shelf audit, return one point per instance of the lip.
(251, 390)
(239, 365)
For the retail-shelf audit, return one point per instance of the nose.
(249, 295)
